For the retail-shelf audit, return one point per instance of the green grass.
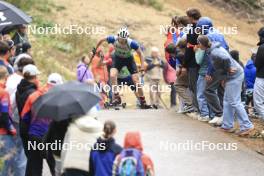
(53, 53)
(42, 5)
(156, 4)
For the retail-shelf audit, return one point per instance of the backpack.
(130, 163)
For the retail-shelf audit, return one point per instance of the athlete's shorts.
(127, 81)
(129, 62)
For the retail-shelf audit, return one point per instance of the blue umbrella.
(11, 16)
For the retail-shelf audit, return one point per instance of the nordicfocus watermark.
(190, 145)
(225, 30)
(123, 88)
(59, 145)
(59, 29)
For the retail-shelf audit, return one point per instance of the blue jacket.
(250, 74)
(216, 37)
(101, 161)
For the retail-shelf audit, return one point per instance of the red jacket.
(6, 124)
(133, 140)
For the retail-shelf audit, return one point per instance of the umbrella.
(64, 101)
(11, 16)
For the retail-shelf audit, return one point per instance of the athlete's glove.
(94, 51)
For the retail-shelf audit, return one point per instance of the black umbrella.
(11, 16)
(66, 100)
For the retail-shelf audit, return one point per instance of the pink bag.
(169, 74)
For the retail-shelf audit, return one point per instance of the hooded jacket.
(250, 74)
(37, 127)
(101, 161)
(81, 132)
(259, 62)
(133, 140)
(222, 61)
(206, 26)
(24, 89)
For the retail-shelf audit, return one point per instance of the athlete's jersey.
(123, 51)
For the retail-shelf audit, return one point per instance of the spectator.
(233, 76)
(20, 35)
(154, 72)
(201, 85)
(98, 67)
(214, 92)
(11, 86)
(250, 77)
(23, 48)
(259, 83)
(7, 130)
(84, 130)
(133, 146)
(17, 59)
(37, 128)
(189, 64)
(12, 52)
(26, 87)
(235, 56)
(101, 161)
(176, 60)
(4, 56)
(84, 73)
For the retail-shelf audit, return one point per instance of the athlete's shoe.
(143, 103)
(117, 100)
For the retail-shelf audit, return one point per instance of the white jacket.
(82, 134)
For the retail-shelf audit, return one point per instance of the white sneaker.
(193, 115)
(219, 121)
(203, 118)
(214, 120)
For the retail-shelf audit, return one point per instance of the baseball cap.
(31, 69)
(55, 79)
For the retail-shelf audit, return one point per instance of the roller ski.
(116, 103)
(143, 104)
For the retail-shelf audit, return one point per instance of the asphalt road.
(175, 144)
(181, 146)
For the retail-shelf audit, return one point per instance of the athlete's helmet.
(123, 33)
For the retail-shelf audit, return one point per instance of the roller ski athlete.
(122, 56)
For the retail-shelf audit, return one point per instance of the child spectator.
(250, 77)
(101, 161)
(133, 148)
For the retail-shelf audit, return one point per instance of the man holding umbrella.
(38, 128)
(63, 103)
(20, 36)
(11, 17)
